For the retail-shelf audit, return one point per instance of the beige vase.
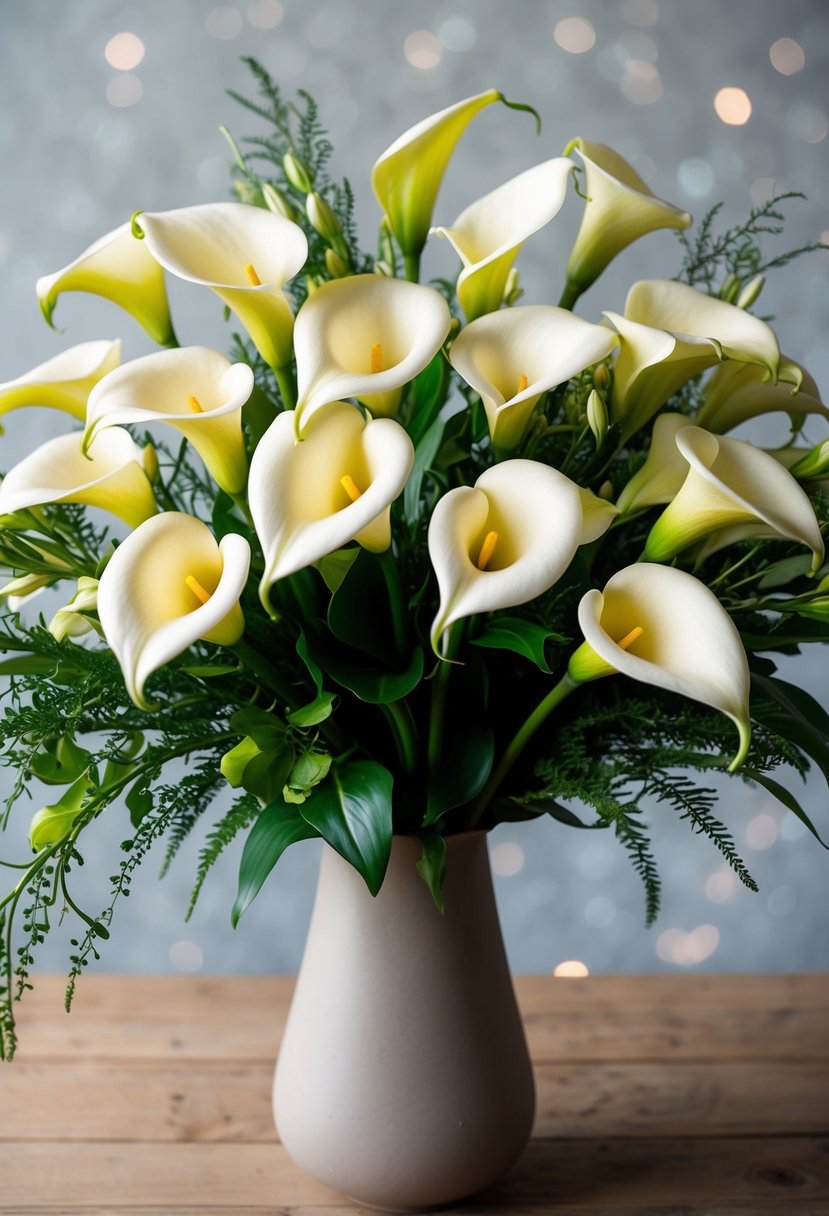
(403, 1079)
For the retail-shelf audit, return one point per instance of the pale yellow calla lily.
(110, 476)
(663, 627)
(168, 585)
(310, 497)
(620, 207)
(63, 382)
(19, 591)
(489, 233)
(71, 621)
(513, 356)
(733, 488)
(503, 541)
(245, 254)
(122, 270)
(661, 476)
(736, 392)
(365, 336)
(598, 515)
(195, 390)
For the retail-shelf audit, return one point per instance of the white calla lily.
(168, 585)
(310, 497)
(503, 541)
(513, 356)
(121, 269)
(245, 254)
(110, 476)
(737, 392)
(732, 490)
(598, 515)
(63, 382)
(71, 621)
(663, 627)
(193, 389)
(489, 233)
(365, 336)
(661, 476)
(620, 207)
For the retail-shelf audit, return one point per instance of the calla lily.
(311, 497)
(194, 389)
(669, 333)
(513, 356)
(661, 476)
(598, 515)
(503, 541)
(110, 476)
(663, 627)
(732, 490)
(620, 208)
(63, 382)
(736, 392)
(489, 233)
(71, 621)
(245, 254)
(168, 585)
(52, 824)
(122, 270)
(365, 336)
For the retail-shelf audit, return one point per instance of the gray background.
(77, 163)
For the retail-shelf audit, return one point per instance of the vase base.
(432, 1207)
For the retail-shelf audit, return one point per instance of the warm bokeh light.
(761, 832)
(687, 949)
(733, 106)
(572, 969)
(787, 56)
(186, 956)
(423, 50)
(575, 34)
(265, 14)
(761, 190)
(641, 83)
(721, 886)
(123, 91)
(124, 51)
(507, 859)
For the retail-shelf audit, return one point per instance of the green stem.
(264, 670)
(411, 267)
(394, 586)
(569, 296)
(736, 566)
(287, 386)
(399, 718)
(440, 686)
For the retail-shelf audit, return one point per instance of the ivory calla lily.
(669, 333)
(732, 490)
(111, 476)
(195, 390)
(489, 233)
(168, 585)
(122, 270)
(365, 336)
(71, 621)
(513, 356)
(312, 496)
(661, 476)
(503, 541)
(663, 627)
(245, 254)
(736, 392)
(63, 382)
(620, 207)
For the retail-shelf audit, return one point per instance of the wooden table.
(664, 1095)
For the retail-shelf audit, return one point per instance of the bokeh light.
(124, 51)
(721, 886)
(123, 91)
(761, 832)
(641, 83)
(733, 106)
(423, 50)
(787, 56)
(507, 859)
(688, 949)
(186, 956)
(575, 34)
(265, 14)
(571, 969)
(457, 34)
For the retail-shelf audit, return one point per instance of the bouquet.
(418, 558)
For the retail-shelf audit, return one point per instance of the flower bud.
(512, 291)
(814, 464)
(751, 291)
(601, 377)
(248, 191)
(337, 267)
(322, 218)
(597, 416)
(729, 289)
(276, 202)
(151, 463)
(383, 269)
(605, 491)
(298, 173)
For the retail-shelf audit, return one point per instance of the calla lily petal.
(503, 541)
(489, 233)
(111, 476)
(736, 392)
(513, 356)
(166, 586)
(598, 515)
(365, 336)
(310, 497)
(245, 254)
(661, 476)
(675, 635)
(63, 382)
(122, 270)
(194, 389)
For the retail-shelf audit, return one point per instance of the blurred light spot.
(572, 969)
(808, 123)
(423, 50)
(4, 247)
(224, 23)
(600, 912)
(696, 177)
(507, 859)
(124, 91)
(124, 51)
(595, 860)
(761, 832)
(761, 190)
(733, 106)
(781, 901)
(265, 14)
(642, 83)
(688, 949)
(457, 34)
(575, 34)
(721, 886)
(186, 956)
(787, 56)
(636, 46)
(640, 12)
(824, 240)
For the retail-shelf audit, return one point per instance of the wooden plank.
(470, 1208)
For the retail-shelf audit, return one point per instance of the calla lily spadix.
(513, 356)
(63, 382)
(168, 585)
(663, 627)
(737, 392)
(310, 497)
(661, 476)
(620, 207)
(489, 233)
(736, 489)
(503, 541)
(110, 476)
(245, 254)
(195, 390)
(365, 336)
(122, 270)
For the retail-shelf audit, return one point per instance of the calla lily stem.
(569, 296)
(411, 267)
(287, 386)
(399, 717)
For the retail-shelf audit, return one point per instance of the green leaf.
(426, 396)
(335, 566)
(432, 865)
(27, 665)
(794, 715)
(52, 824)
(60, 762)
(317, 711)
(233, 763)
(519, 636)
(517, 810)
(359, 613)
(779, 574)
(352, 811)
(277, 828)
(467, 747)
(425, 455)
(785, 796)
(226, 517)
(139, 801)
(266, 730)
(206, 671)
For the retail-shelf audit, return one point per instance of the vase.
(403, 1079)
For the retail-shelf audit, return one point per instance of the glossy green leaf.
(795, 716)
(317, 711)
(139, 801)
(360, 613)
(266, 730)
(785, 796)
(427, 393)
(467, 745)
(432, 865)
(27, 665)
(516, 810)
(425, 456)
(352, 811)
(519, 636)
(277, 828)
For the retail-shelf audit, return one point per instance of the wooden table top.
(660, 1095)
